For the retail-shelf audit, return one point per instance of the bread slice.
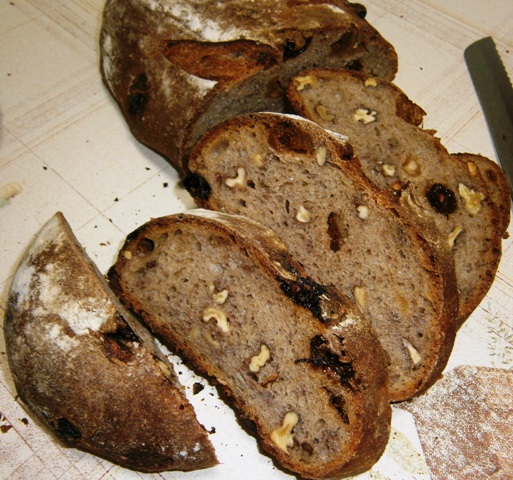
(298, 362)
(468, 199)
(87, 370)
(177, 68)
(305, 184)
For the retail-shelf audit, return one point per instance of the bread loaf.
(468, 197)
(306, 185)
(178, 67)
(301, 366)
(88, 371)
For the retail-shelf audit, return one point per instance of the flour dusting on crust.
(464, 423)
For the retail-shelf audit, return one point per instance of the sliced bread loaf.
(468, 197)
(305, 184)
(90, 373)
(301, 366)
(178, 67)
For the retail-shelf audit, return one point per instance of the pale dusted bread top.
(305, 184)
(178, 67)
(464, 424)
(467, 196)
(85, 372)
(302, 367)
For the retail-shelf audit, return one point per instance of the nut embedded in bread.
(297, 361)
(178, 67)
(304, 183)
(93, 379)
(467, 196)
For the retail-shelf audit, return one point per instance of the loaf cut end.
(83, 367)
(178, 68)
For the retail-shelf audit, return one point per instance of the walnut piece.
(220, 297)
(365, 116)
(238, 181)
(388, 170)
(451, 239)
(411, 167)
(258, 361)
(360, 295)
(302, 82)
(219, 316)
(320, 155)
(414, 354)
(472, 199)
(303, 215)
(324, 113)
(282, 436)
(363, 211)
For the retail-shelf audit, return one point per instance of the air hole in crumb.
(146, 245)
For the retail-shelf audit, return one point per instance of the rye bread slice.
(298, 362)
(306, 185)
(468, 197)
(87, 370)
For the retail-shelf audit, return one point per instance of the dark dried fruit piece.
(336, 231)
(292, 49)
(323, 357)
(67, 431)
(197, 186)
(136, 103)
(442, 199)
(305, 292)
(287, 136)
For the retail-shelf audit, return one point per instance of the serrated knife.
(495, 93)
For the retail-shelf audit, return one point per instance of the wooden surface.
(64, 146)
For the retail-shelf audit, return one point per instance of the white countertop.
(65, 146)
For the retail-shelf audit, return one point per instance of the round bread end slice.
(88, 374)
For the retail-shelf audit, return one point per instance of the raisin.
(321, 356)
(355, 65)
(442, 199)
(292, 49)
(67, 431)
(339, 403)
(197, 388)
(359, 10)
(305, 292)
(136, 103)
(197, 186)
(344, 44)
(287, 136)
(336, 231)
(118, 345)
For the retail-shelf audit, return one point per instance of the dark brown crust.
(101, 390)
(436, 259)
(370, 382)
(161, 72)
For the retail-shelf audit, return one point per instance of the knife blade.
(495, 94)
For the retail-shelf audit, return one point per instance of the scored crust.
(304, 183)
(96, 381)
(301, 366)
(178, 67)
(466, 196)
